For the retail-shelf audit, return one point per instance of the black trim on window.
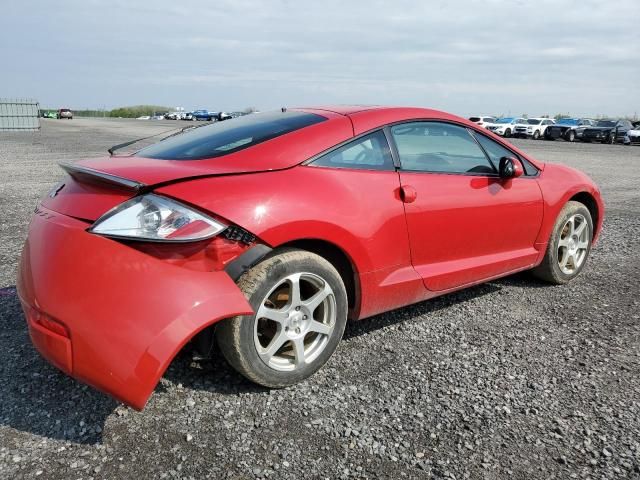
(354, 140)
(529, 169)
(472, 135)
(392, 147)
(486, 154)
(465, 127)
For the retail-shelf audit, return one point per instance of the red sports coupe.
(266, 232)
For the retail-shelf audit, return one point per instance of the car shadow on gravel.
(216, 375)
(35, 397)
(522, 280)
(212, 375)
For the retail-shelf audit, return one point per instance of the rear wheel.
(571, 136)
(569, 245)
(301, 312)
(507, 133)
(536, 135)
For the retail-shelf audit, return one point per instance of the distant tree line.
(138, 111)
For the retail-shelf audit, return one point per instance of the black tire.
(235, 336)
(611, 139)
(571, 136)
(507, 133)
(549, 270)
(536, 135)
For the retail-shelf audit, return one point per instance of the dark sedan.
(607, 131)
(568, 129)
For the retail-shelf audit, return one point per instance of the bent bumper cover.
(127, 314)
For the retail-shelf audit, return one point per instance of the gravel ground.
(511, 378)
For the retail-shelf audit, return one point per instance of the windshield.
(222, 138)
(606, 123)
(505, 120)
(534, 121)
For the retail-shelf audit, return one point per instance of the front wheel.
(536, 135)
(571, 136)
(301, 312)
(507, 133)
(569, 245)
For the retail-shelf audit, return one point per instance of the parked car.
(187, 116)
(633, 135)
(204, 115)
(607, 131)
(159, 116)
(506, 126)
(144, 117)
(266, 232)
(64, 113)
(483, 120)
(222, 116)
(49, 114)
(534, 128)
(569, 129)
(173, 116)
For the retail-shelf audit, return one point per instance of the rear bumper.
(125, 314)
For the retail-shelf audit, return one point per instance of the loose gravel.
(510, 378)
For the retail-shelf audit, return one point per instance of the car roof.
(368, 117)
(344, 109)
(373, 115)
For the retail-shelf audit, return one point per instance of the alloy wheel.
(573, 244)
(294, 321)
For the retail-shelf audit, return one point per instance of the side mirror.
(510, 168)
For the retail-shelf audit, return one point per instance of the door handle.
(408, 194)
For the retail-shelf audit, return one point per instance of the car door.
(465, 223)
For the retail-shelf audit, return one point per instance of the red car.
(268, 231)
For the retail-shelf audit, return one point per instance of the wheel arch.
(341, 262)
(592, 205)
(203, 339)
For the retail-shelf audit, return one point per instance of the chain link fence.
(19, 114)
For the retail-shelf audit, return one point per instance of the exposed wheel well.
(339, 259)
(588, 201)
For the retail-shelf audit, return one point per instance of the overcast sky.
(468, 57)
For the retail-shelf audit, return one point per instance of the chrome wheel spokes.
(295, 321)
(573, 244)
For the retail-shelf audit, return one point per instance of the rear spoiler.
(89, 175)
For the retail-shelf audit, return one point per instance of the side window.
(439, 147)
(493, 149)
(370, 152)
